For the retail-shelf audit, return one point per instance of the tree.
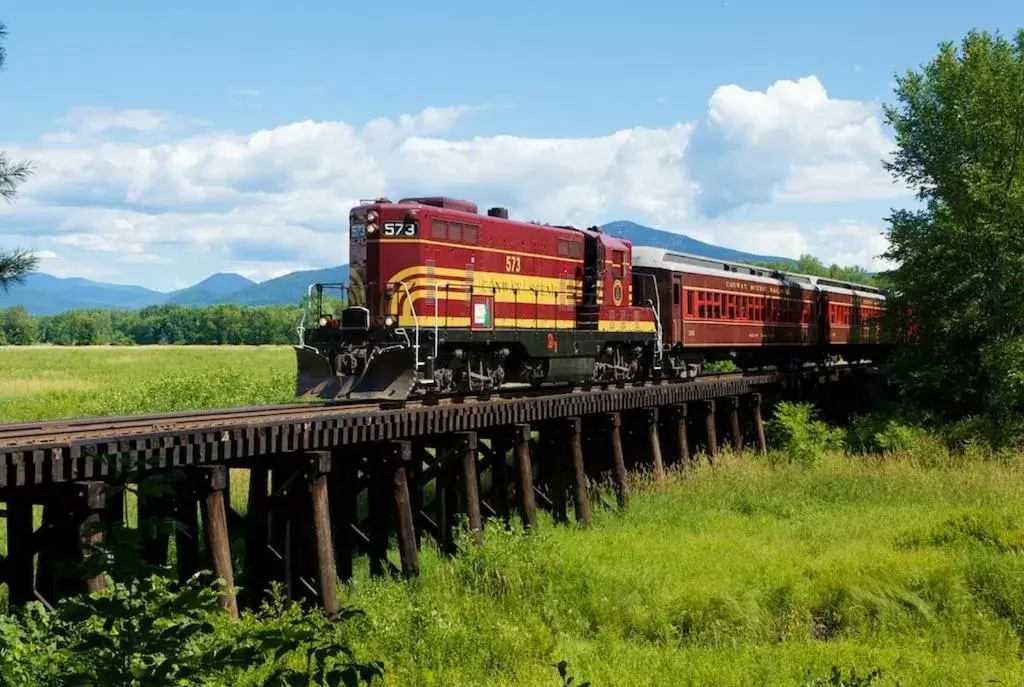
(959, 286)
(16, 264)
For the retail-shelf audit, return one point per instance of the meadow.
(753, 571)
(50, 382)
(735, 575)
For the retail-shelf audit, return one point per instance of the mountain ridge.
(45, 294)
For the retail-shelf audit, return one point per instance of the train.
(442, 299)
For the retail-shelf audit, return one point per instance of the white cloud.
(95, 120)
(178, 208)
(789, 142)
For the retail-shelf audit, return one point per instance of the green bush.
(877, 433)
(797, 436)
(146, 628)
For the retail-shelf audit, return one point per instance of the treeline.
(808, 264)
(159, 324)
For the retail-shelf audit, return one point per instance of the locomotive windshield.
(358, 228)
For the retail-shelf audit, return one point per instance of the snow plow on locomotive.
(442, 299)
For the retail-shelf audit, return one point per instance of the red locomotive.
(443, 299)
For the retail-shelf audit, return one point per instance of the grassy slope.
(739, 575)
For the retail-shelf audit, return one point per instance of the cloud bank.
(148, 197)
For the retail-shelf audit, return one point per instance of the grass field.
(738, 575)
(745, 574)
(46, 382)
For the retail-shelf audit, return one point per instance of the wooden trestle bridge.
(328, 483)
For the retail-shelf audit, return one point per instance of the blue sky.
(144, 119)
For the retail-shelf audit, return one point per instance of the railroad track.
(57, 431)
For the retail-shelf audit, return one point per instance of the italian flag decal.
(482, 314)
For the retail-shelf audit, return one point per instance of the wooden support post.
(581, 497)
(734, 424)
(682, 440)
(186, 537)
(401, 458)
(499, 477)
(343, 490)
(416, 489)
(709, 424)
(20, 549)
(214, 479)
(154, 544)
(527, 502)
(320, 466)
(618, 461)
(381, 501)
(762, 445)
(257, 536)
(445, 501)
(90, 504)
(554, 458)
(471, 484)
(654, 441)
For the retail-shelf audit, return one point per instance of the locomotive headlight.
(389, 321)
(370, 228)
(371, 216)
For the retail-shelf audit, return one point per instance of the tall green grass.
(742, 574)
(42, 382)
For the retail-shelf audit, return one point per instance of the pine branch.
(14, 266)
(3, 52)
(11, 175)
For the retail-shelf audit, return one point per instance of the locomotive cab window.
(618, 257)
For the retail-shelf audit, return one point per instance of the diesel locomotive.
(443, 299)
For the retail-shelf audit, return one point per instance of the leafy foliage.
(160, 324)
(808, 264)
(958, 291)
(798, 436)
(146, 628)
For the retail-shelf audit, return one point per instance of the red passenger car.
(714, 310)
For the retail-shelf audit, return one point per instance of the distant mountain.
(639, 235)
(43, 294)
(288, 288)
(214, 289)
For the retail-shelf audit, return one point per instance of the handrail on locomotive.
(319, 375)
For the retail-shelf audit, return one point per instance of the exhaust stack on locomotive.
(441, 298)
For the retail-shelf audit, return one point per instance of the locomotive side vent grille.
(431, 277)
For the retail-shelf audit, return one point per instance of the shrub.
(146, 628)
(878, 433)
(797, 435)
